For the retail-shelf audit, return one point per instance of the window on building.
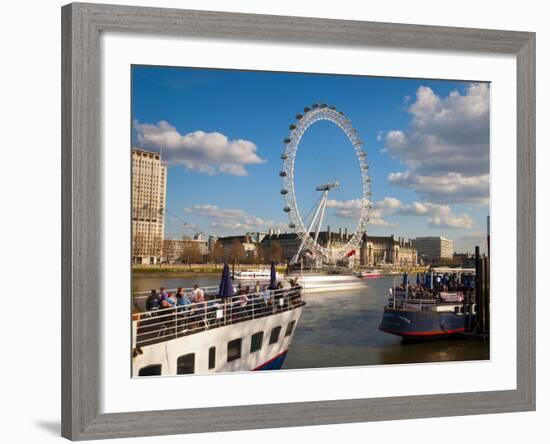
(151, 370)
(211, 358)
(186, 364)
(290, 327)
(234, 349)
(256, 341)
(274, 337)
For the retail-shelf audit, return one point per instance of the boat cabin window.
(256, 341)
(234, 349)
(211, 358)
(186, 364)
(290, 327)
(274, 337)
(151, 370)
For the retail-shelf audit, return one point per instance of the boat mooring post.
(482, 299)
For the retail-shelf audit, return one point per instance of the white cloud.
(207, 153)
(388, 203)
(448, 188)
(447, 142)
(441, 216)
(346, 204)
(351, 209)
(232, 218)
(449, 221)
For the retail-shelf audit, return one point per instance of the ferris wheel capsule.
(287, 140)
(283, 191)
(286, 209)
(291, 225)
(282, 173)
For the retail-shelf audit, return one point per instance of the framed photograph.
(278, 221)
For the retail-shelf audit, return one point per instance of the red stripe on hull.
(424, 333)
(271, 360)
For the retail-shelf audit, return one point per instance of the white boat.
(219, 335)
(369, 274)
(319, 282)
(253, 275)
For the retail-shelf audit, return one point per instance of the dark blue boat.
(440, 306)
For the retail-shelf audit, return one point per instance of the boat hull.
(319, 283)
(270, 356)
(419, 324)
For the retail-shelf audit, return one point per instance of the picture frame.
(81, 208)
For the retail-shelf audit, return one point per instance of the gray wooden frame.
(81, 231)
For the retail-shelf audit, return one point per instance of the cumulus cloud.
(351, 209)
(449, 188)
(207, 153)
(446, 146)
(440, 216)
(232, 218)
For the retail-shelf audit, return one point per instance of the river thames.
(341, 329)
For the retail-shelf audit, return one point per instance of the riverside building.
(148, 204)
(433, 248)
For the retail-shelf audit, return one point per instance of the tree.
(192, 253)
(276, 252)
(217, 254)
(236, 253)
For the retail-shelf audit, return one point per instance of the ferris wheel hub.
(328, 186)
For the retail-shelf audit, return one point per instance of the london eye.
(309, 234)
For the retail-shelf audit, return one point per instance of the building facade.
(433, 248)
(243, 247)
(148, 206)
(185, 250)
(380, 250)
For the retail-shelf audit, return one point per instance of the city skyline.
(221, 136)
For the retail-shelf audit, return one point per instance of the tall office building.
(148, 206)
(433, 248)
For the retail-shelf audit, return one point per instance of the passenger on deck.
(182, 299)
(198, 294)
(257, 288)
(153, 301)
(170, 300)
(266, 296)
(163, 294)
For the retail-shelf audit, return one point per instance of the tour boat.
(254, 275)
(218, 335)
(369, 274)
(319, 282)
(425, 311)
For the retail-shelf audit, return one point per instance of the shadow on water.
(341, 329)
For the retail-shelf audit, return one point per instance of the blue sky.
(221, 133)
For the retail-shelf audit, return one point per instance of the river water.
(341, 329)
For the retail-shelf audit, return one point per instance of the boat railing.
(163, 324)
(142, 295)
(402, 300)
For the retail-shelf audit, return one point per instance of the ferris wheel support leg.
(297, 255)
(323, 205)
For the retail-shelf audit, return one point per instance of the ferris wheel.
(309, 243)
